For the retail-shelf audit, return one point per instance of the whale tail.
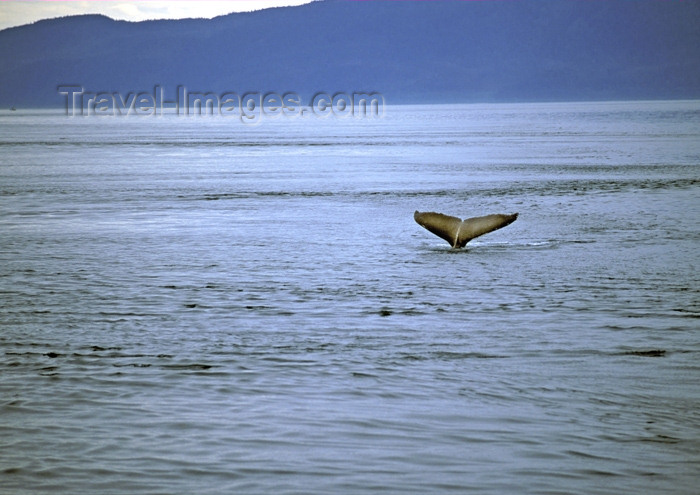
(459, 232)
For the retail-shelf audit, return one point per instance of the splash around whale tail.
(459, 232)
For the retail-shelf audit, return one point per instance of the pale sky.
(18, 12)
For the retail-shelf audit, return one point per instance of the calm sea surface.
(199, 306)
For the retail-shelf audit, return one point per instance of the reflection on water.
(190, 306)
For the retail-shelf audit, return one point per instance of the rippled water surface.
(196, 306)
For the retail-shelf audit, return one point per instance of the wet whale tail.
(459, 232)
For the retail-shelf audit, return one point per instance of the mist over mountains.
(466, 51)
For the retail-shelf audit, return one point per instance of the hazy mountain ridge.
(409, 51)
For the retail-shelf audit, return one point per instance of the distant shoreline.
(60, 109)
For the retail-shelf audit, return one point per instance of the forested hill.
(490, 50)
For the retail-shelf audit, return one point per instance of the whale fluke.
(459, 232)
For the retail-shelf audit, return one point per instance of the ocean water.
(199, 306)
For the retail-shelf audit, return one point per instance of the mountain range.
(437, 51)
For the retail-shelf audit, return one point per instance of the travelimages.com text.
(249, 107)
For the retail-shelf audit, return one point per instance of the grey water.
(192, 305)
